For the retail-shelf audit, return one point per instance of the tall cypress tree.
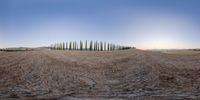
(63, 46)
(94, 46)
(86, 45)
(108, 48)
(66, 46)
(101, 46)
(70, 45)
(91, 45)
(97, 46)
(81, 45)
(60, 46)
(75, 45)
(104, 46)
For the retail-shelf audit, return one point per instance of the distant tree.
(54, 46)
(57, 46)
(91, 45)
(60, 46)
(74, 45)
(66, 46)
(77, 46)
(104, 46)
(108, 47)
(86, 45)
(101, 46)
(81, 45)
(98, 46)
(94, 46)
(63, 46)
(70, 45)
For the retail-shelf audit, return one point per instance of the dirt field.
(115, 75)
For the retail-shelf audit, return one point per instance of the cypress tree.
(91, 45)
(66, 46)
(97, 46)
(104, 46)
(63, 46)
(94, 46)
(112, 47)
(101, 46)
(60, 46)
(70, 45)
(74, 45)
(77, 46)
(108, 47)
(56, 46)
(49, 48)
(81, 46)
(86, 45)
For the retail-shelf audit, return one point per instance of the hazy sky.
(146, 24)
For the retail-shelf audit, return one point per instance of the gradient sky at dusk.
(146, 24)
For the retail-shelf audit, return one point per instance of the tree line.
(88, 46)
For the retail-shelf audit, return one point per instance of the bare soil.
(107, 75)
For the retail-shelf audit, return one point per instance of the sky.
(145, 24)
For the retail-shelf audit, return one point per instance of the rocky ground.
(107, 75)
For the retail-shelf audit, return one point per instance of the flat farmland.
(84, 75)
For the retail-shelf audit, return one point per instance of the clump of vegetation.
(93, 46)
(196, 49)
(15, 49)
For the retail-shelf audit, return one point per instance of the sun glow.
(160, 31)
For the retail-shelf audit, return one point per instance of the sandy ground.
(111, 75)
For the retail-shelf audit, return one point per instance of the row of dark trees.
(14, 49)
(87, 46)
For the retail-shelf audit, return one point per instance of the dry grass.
(182, 52)
(116, 74)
